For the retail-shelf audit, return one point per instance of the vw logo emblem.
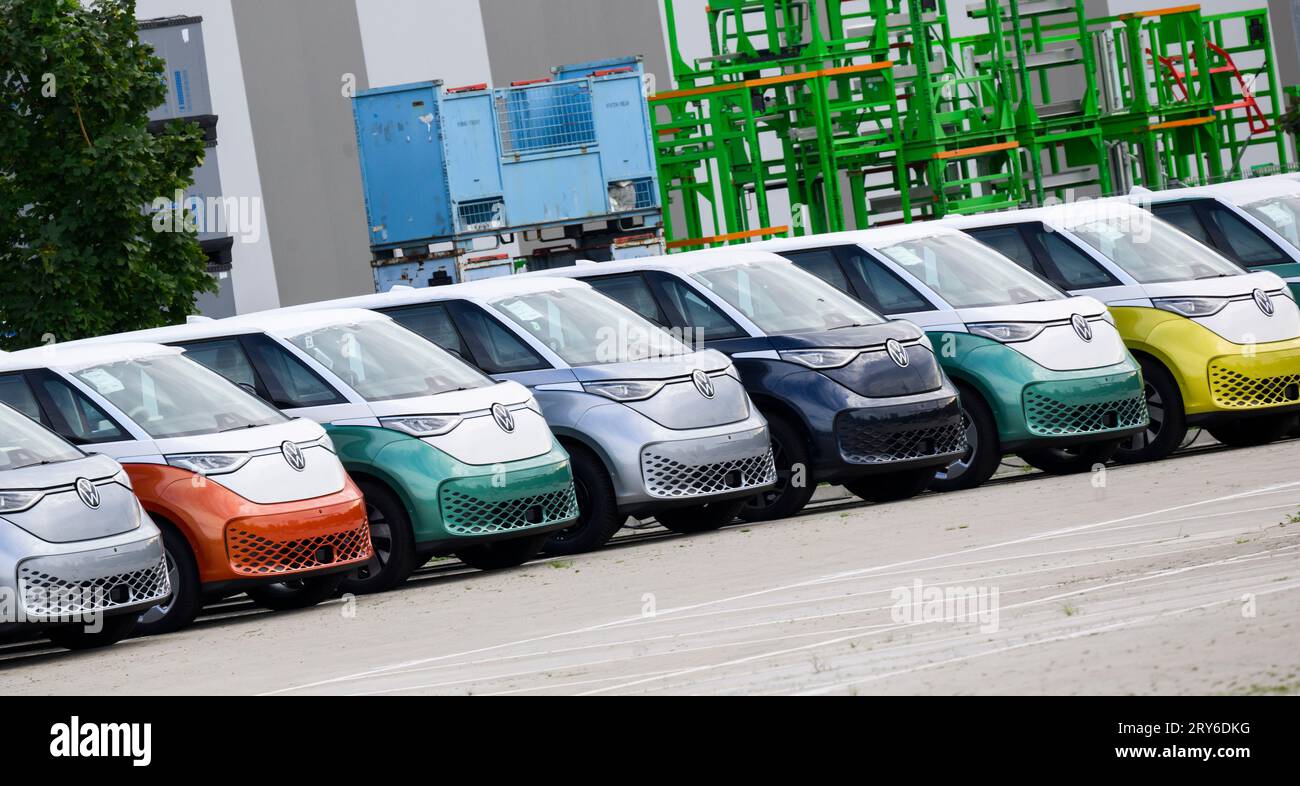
(88, 493)
(897, 353)
(1264, 302)
(293, 455)
(703, 383)
(1081, 327)
(503, 418)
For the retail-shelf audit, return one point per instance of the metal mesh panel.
(471, 514)
(482, 214)
(1050, 417)
(666, 477)
(861, 443)
(645, 193)
(543, 118)
(255, 554)
(1234, 390)
(46, 595)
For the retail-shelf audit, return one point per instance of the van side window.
(495, 348)
(78, 418)
(697, 314)
(226, 357)
(1008, 242)
(15, 392)
(881, 288)
(1183, 216)
(433, 322)
(631, 290)
(822, 263)
(290, 382)
(1244, 244)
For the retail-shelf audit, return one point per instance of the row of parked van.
(289, 455)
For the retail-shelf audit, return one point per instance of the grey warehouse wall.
(294, 54)
(525, 38)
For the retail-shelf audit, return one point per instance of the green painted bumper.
(1033, 404)
(452, 504)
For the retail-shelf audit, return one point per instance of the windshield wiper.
(244, 427)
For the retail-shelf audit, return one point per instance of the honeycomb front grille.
(1050, 417)
(667, 477)
(1234, 390)
(470, 514)
(46, 595)
(861, 443)
(256, 554)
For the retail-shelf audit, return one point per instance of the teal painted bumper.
(451, 503)
(1033, 404)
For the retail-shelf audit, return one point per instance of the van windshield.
(25, 443)
(586, 328)
(781, 299)
(171, 396)
(1280, 214)
(1152, 251)
(968, 274)
(384, 361)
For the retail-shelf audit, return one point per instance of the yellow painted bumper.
(1213, 374)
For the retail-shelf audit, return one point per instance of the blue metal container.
(448, 166)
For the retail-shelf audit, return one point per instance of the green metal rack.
(866, 112)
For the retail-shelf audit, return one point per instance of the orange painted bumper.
(234, 539)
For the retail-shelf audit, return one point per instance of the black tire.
(892, 486)
(598, 516)
(789, 451)
(1168, 424)
(700, 518)
(503, 553)
(1071, 460)
(297, 593)
(391, 537)
(1249, 432)
(983, 447)
(76, 637)
(187, 597)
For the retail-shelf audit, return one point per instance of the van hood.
(244, 440)
(479, 439)
(457, 402)
(1043, 311)
(708, 360)
(1060, 347)
(849, 337)
(61, 516)
(874, 373)
(1241, 321)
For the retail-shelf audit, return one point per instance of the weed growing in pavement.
(1070, 609)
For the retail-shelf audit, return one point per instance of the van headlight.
(1006, 332)
(18, 501)
(209, 463)
(630, 390)
(1191, 306)
(421, 425)
(820, 359)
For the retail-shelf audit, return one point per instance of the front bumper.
(238, 543)
(71, 582)
(1215, 376)
(454, 505)
(1035, 406)
(901, 436)
(655, 468)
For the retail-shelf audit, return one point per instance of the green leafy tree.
(79, 172)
